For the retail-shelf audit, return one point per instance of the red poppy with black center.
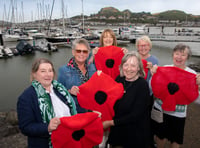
(100, 93)
(79, 131)
(108, 60)
(174, 86)
(144, 62)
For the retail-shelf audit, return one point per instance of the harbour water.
(15, 71)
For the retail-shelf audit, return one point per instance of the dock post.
(1, 38)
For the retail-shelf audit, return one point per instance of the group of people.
(41, 105)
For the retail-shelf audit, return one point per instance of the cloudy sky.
(34, 9)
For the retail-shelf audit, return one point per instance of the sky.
(28, 10)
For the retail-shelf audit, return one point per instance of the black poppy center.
(100, 97)
(172, 88)
(77, 135)
(110, 63)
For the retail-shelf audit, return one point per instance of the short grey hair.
(80, 41)
(182, 47)
(143, 38)
(126, 57)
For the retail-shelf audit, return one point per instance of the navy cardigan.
(30, 119)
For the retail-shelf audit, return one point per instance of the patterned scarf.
(45, 104)
(84, 78)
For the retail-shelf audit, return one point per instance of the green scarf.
(45, 104)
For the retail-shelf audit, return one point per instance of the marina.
(20, 46)
(15, 70)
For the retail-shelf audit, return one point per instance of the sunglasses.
(83, 51)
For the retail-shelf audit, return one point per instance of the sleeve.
(30, 122)
(140, 108)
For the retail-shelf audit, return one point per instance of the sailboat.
(65, 36)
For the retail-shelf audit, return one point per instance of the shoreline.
(12, 137)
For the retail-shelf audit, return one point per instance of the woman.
(40, 105)
(77, 71)
(107, 38)
(129, 127)
(144, 45)
(172, 127)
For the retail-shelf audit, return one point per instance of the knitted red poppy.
(174, 86)
(144, 62)
(100, 93)
(79, 131)
(108, 60)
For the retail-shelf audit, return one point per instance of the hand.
(95, 50)
(154, 69)
(149, 65)
(107, 124)
(198, 79)
(53, 124)
(99, 72)
(124, 50)
(74, 90)
(97, 112)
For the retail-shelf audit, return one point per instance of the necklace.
(127, 85)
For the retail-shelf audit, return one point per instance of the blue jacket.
(30, 119)
(69, 76)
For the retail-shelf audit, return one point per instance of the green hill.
(175, 15)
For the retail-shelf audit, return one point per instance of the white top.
(183, 108)
(60, 108)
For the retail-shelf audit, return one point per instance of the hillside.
(175, 15)
(145, 16)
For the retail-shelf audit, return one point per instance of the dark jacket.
(131, 129)
(30, 119)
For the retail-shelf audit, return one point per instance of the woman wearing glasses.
(144, 45)
(77, 71)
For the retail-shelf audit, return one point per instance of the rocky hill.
(108, 12)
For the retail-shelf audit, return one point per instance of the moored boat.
(24, 47)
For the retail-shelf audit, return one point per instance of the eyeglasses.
(145, 45)
(83, 51)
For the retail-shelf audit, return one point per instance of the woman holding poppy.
(77, 71)
(171, 126)
(40, 105)
(129, 127)
(144, 45)
(107, 38)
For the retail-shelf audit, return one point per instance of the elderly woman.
(172, 127)
(144, 45)
(40, 105)
(130, 125)
(77, 71)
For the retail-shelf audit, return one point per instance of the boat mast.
(83, 17)
(22, 11)
(50, 17)
(63, 15)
